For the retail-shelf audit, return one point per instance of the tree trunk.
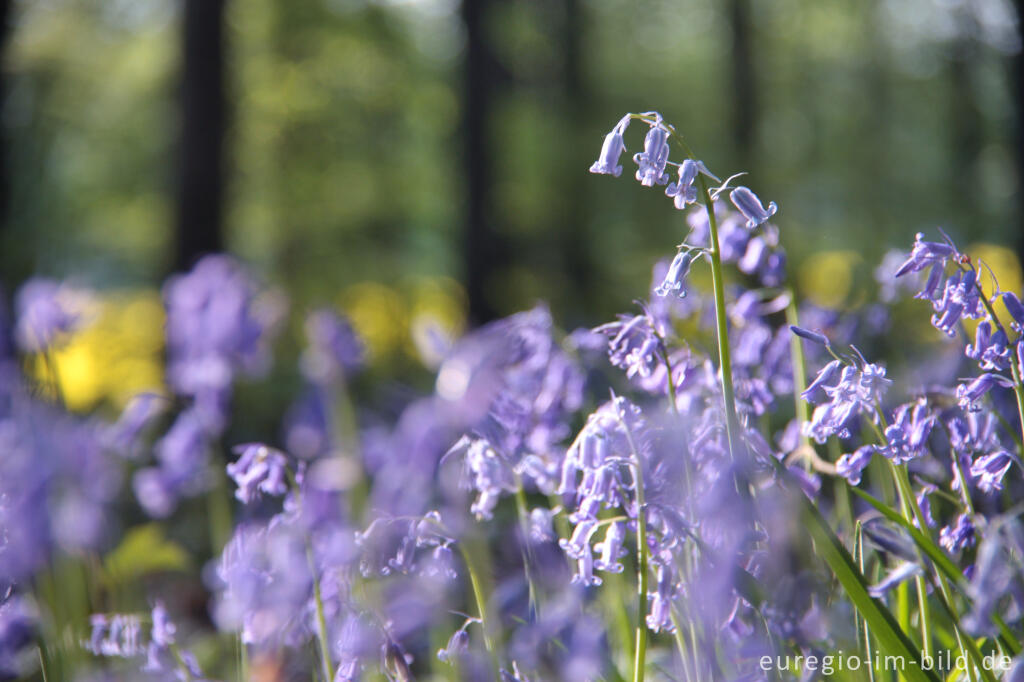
(744, 83)
(200, 209)
(479, 235)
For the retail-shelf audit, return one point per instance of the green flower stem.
(799, 363)
(321, 620)
(479, 595)
(639, 660)
(523, 512)
(724, 361)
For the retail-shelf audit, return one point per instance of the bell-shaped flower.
(653, 159)
(673, 282)
(926, 254)
(608, 162)
(851, 466)
(988, 470)
(969, 394)
(751, 207)
(958, 535)
(1016, 310)
(991, 350)
(259, 469)
(684, 191)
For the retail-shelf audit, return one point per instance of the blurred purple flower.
(259, 469)
(46, 313)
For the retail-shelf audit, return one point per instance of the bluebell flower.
(18, 623)
(1016, 310)
(677, 272)
(333, 351)
(124, 436)
(218, 325)
(608, 162)
(958, 535)
(633, 344)
(991, 350)
(960, 298)
(259, 469)
(611, 548)
(968, 395)
(857, 391)
(751, 207)
(816, 337)
(907, 435)
(898, 575)
(684, 191)
(117, 635)
(458, 644)
(988, 470)
(851, 466)
(653, 159)
(815, 392)
(995, 581)
(926, 254)
(47, 312)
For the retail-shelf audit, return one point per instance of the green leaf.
(892, 640)
(144, 550)
(941, 560)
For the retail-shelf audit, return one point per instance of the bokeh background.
(422, 164)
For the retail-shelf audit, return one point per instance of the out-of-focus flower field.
(723, 482)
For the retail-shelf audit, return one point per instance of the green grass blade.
(887, 633)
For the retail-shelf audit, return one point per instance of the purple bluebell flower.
(988, 470)
(969, 394)
(995, 581)
(926, 254)
(960, 298)
(677, 272)
(259, 469)
(751, 207)
(857, 391)
(684, 191)
(907, 435)
(117, 635)
(816, 337)
(898, 575)
(218, 325)
(653, 159)
(611, 548)
(958, 535)
(163, 630)
(124, 436)
(47, 312)
(632, 344)
(608, 162)
(333, 351)
(458, 644)
(991, 350)
(18, 622)
(851, 466)
(1016, 310)
(815, 392)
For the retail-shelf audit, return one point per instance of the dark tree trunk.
(479, 249)
(744, 82)
(965, 120)
(1017, 75)
(574, 245)
(200, 209)
(5, 179)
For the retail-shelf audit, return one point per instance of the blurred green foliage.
(872, 119)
